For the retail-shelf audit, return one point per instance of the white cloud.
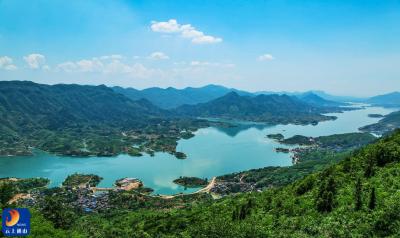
(112, 57)
(158, 56)
(67, 67)
(214, 64)
(35, 61)
(7, 63)
(104, 65)
(10, 67)
(206, 40)
(93, 65)
(170, 26)
(185, 31)
(265, 57)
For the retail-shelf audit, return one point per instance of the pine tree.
(369, 169)
(372, 199)
(358, 195)
(326, 195)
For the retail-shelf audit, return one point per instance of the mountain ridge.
(261, 108)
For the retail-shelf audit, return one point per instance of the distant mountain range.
(262, 108)
(314, 99)
(27, 105)
(386, 100)
(321, 94)
(171, 97)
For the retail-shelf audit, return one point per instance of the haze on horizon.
(341, 47)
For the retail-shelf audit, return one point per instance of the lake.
(212, 152)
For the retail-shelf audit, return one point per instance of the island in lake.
(374, 115)
(191, 182)
(277, 136)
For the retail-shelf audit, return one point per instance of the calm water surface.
(212, 152)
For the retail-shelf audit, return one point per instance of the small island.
(191, 182)
(282, 150)
(373, 115)
(82, 180)
(277, 137)
(180, 155)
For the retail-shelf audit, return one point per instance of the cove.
(212, 152)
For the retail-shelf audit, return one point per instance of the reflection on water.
(212, 152)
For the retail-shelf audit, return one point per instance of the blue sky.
(343, 47)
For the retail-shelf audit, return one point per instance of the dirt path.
(208, 187)
(203, 190)
(19, 196)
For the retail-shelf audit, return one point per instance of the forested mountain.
(322, 94)
(262, 108)
(171, 97)
(60, 118)
(27, 104)
(386, 100)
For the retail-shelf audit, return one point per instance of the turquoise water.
(212, 152)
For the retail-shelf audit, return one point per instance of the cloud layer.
(7, 63)
(107, 65)
(36, 61)
(158, 56)
(265, 57)
(185, 31)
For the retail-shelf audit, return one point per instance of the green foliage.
(372, 199)
(57, 212)
(6, 193)
(191, 182)
(76, 180)
(358, 195)
(326, 192)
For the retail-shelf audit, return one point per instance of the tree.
(57, 211)
(358, 195)
(369, 169)
(372, 199)
(6, 193)
(326, 194)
